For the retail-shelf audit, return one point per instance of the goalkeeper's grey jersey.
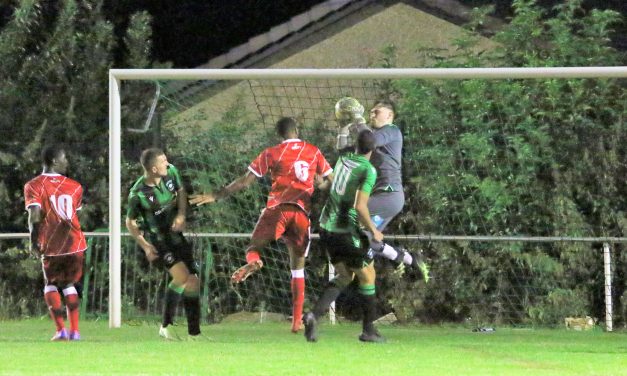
(387, 158)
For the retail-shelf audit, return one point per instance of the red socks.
(53, 301)
(73, 305)
(298, 298)
(252, 256)
(298, 291)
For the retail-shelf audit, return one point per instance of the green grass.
(270, 349)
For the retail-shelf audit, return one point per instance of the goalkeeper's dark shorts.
(341, 248)
(172, 249)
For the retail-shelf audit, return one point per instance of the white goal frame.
(116, 76)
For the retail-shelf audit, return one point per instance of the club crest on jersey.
(151, 198)
(301, 169)
(170, 185)
(370, 254)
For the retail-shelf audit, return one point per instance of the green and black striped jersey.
(154, 207)
(352, 172)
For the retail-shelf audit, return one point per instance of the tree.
(54, 62)
(54, 70)
(520, 157)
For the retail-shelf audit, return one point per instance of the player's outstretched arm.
(201, 199)
(236, 185)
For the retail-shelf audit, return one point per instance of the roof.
(351, 36)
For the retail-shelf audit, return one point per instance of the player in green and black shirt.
(157, 204)
(343, 217)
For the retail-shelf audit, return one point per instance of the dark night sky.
(190, 32)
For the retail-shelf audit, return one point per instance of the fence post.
(607, 260)
(332, 306)
(86, 275)
(205, 284)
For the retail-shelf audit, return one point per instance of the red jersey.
(59, 197)
(292, 165)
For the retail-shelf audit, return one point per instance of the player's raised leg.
(253, 264)
(400, 256)
(267, 229)
(383, 207)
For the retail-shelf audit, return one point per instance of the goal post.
(117, 76)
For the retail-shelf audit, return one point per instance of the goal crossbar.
(378, 73)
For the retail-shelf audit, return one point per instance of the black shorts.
(172, 249)
(340, 247)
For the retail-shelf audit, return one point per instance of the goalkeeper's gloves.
(347, 134)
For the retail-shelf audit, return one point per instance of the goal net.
(501, 175)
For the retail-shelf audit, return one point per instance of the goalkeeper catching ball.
(387, 198)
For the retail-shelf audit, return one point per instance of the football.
(348, 109)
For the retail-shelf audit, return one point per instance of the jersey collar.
(291, 140)
(50, 174)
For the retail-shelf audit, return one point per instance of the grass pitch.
(270, 349)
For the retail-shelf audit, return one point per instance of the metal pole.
(115, 191)
(607, 260)
(332, 306)
(372, 73)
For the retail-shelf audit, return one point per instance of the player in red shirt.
(52, 200)
(292, 165)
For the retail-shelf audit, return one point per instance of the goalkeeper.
(387, 199)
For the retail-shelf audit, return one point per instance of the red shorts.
(64, 269)
(288, 222)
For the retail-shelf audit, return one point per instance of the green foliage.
(504, 157)
(202, 157)
(557, 305)
(517, 157)
(23, 276)
(54, 69)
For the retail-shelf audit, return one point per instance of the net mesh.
(480, 158)
(245, 128)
